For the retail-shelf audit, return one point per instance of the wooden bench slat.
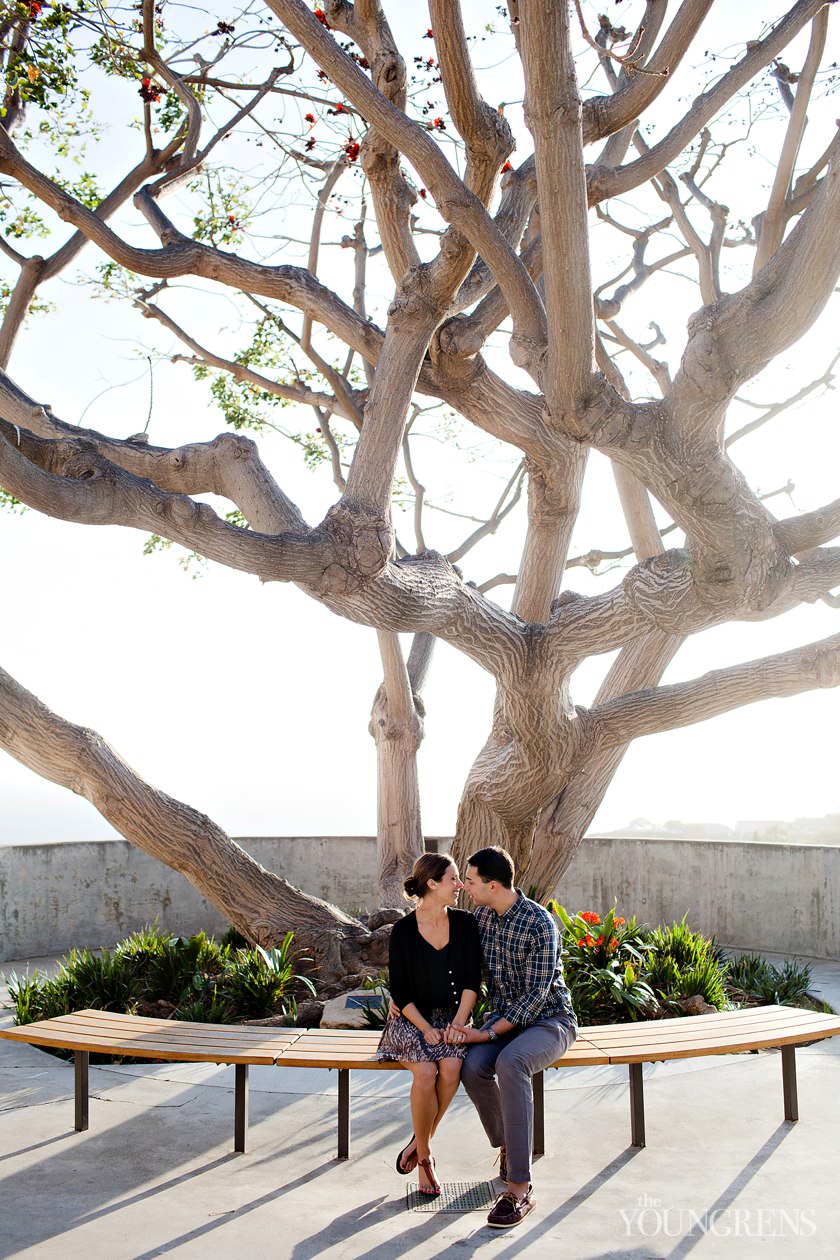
(103, 1040)
(145, 1047)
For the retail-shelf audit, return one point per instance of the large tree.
(476, 280)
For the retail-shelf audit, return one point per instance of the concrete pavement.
(723, 1175)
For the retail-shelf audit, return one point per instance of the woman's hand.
(460, 1035)
(454, 1035)
(432, 1036)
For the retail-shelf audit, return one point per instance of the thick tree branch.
(732, 340)
(69, 480)
(261, 905)
(720, 691)
(456, 203)
(604, 115)
(774, 219)
(811, 529)
(553, 111)
(604, 184)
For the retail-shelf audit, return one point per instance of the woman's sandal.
(412, 1159)
(428, 1166)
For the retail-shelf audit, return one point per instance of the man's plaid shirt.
(522, 956)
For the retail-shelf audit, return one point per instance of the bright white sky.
(251, 702)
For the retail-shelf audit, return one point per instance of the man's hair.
(493, 863)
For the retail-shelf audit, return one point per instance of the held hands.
(460, 1035)
(432, 1036)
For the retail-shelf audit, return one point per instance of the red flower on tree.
(507, 167)
(310, 144)
(310, 118)
(322, 18)
(35, 8)
(150, 92)
(438, 124)
(351, 149)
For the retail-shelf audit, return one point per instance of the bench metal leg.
(343, 1113)
(240, 1114)
(82, 1062)
(637, 1105)
(789, 1082)
(539, 1114)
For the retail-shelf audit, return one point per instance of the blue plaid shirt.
(522, 956)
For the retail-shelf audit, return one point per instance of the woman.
(435, 972)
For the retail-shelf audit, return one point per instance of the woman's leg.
(446, 1086)
(424, 1107)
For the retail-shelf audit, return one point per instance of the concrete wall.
(54, 896)
(781, 898)
(774, 897)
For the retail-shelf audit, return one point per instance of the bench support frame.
(538, 1144)
(637, 1105)
(240, 1108)
(81, 1061)
(789, 1083)
(343, 1113)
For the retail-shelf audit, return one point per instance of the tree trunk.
(396, 725)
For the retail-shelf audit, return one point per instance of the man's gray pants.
(498, 1076)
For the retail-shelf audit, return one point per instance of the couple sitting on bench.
(437, 955)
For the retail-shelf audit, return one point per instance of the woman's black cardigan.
(409, 975)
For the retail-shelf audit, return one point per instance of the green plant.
(605, 962)
(233, 939)
(200, 979)
(752, 979)
(257, 982)
(375, 1013)
(682, 963)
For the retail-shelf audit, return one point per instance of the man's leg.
(528, 1052)
(478, 1075)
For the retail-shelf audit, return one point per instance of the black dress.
(434, 980)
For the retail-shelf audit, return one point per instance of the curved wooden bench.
(646, 1041)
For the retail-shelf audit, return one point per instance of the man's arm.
(540, 966)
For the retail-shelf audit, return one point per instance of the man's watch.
(492, 1035)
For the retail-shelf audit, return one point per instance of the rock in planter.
(380, 918)
(696, 1005)
(348, 1009)
(309, 1013)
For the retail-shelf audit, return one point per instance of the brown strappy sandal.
(428, 1166)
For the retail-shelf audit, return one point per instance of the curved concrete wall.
(774, 897)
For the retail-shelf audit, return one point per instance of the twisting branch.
(720, 691)
(604, 183)
(775, 217)
(456, 204)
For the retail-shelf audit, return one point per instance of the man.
(530, 1022)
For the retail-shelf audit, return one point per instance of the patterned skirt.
(401, 1042)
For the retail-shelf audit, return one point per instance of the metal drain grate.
(455, 1196)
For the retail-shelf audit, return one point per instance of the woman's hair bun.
(427, 867)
